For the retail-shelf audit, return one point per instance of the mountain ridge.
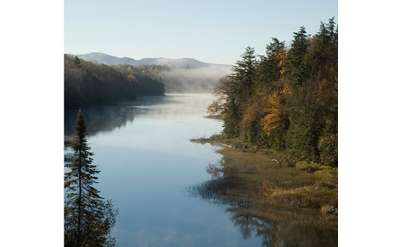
(177, 74)
(184, 62)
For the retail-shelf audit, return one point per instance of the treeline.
(142, 74)
(286, 100)
(87, 83)
(180, 80)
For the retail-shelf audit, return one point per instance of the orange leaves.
(274, 113)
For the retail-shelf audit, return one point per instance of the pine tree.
(271, 66)
(238, 89)
(296, 64)
(287, 99)
(244, 73)
(88, 218)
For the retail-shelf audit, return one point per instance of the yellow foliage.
(286, 89)
(274, 113)
(248, 119)
(280, 58)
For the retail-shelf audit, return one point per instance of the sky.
(208, 30)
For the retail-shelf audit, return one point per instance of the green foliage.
(236, 90)
(244, 73)
(88, 218)
(287, 99)
(297, 70)
(87, 83)
(328, 146)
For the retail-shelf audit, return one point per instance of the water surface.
(160, 181)
(147, 162)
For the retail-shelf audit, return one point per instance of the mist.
(193, 80)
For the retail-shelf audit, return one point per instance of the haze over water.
(147, 162)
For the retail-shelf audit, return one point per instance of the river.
(149, 168)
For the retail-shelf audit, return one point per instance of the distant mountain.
(106, 59)
(184, 63)
(180, 75)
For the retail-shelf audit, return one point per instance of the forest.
(183, 79)
(286, 100)
(87, 83)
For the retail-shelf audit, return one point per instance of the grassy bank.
(273, 180)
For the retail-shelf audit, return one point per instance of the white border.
(369, 166)
(31, 132)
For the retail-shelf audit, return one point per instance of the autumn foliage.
(286, 99)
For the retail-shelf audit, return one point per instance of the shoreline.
(304, 186)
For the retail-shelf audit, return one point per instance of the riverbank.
(275, 181)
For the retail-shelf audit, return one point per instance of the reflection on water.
(109, 117)
(237, 187)
(147, 161)
(99, 119)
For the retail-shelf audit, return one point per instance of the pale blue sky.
(208, 30)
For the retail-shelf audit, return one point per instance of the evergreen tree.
(275, 52)
(296, 64)
(287, 100)
(271, 67)
(244, 72)
(237, 89)
(230, 112)
(88, 218)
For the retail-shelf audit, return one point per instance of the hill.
(184, 63)
(87, 83)
(178, 75)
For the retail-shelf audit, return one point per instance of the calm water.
(147, 163)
